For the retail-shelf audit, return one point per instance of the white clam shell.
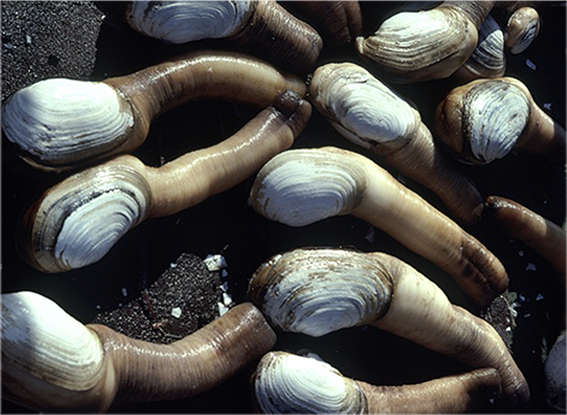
(319, 291)
(495, 114)
(488, 59)
(187, 21)
(60, 121)
(415, 41)
(554, 375)
(42, 340)
(80, 220)
(300, 187)
(287, 383)
(361, 107)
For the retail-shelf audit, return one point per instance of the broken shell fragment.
(368, 113)
(314, 296)
(53, 363)
(300, 187)
(60, 124)
(522, 29)
(263, 27)
(485, 119)
(287, 383)
(77, 221)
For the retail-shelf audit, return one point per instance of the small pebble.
(215, 262)
(124, 292)
(222, 309)
(531, 65)
(176, 312)
(531, 267)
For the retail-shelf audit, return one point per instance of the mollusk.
(76, 222)
(287, 383)
(53, 363)
(424, 45)
(187, 21)
(38, 336)
(264, 27)
(554, 375)
(63, 120)
(355, 289)
(408, 305)
(485, 119)
(371, 115)
(494, 117)
(61, 124)
(65, 226)
(522, 29)
(488, 59)
(302, 186)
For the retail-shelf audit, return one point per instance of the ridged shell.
(361, 107)
(287, 383)
(41, 339)
(494, 115)
(554, 372)
(61, 121)
(522, 29)
(417, 41)
(78, 221)
(300, 187)
(488, 59)
(319, 291)
(187, 21)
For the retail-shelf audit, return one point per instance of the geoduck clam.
(300, 187)
(52, 362)
(318, 291)
(429, 44)
(485, 119)
(264, 27)
(77, 221)
(488, 59)
(368, 113)
(288, 383)
(59, 124)
(522, 29)
(550, 242)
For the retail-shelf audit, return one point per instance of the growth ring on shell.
(319, 291)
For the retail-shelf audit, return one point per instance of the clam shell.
(361, 107)
(488, 59)
(495, 114)
(61, 121)
(287, 383)
(78, 221)
(554, 375)
(42, 340)
(187, 21)
(319, 291)
(300, 187)
(522, 29)
(414, 46)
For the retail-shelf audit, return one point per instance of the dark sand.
(88, 40)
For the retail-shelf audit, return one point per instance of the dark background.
(72, 39)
